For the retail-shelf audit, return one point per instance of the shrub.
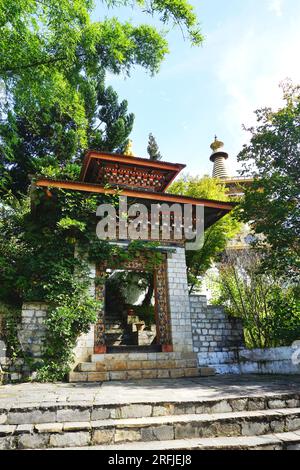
(269, 308)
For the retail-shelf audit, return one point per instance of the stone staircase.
(114, 330)
(136, 366)
(269, 421)
(118, 332)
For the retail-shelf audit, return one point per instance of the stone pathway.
(177, 390)
(249, 411)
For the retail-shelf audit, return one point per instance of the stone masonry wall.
(31, 331)
(85, 343)
(179, 302)
(212, 329)
(281, 360)
(84, 347)
(31, 334)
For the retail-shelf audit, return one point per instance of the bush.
(65, 323)
(270, 309)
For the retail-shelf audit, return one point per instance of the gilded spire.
(217, 144)
(129, 149)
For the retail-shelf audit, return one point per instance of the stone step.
(37, 413)
(131, 374)
(134, 348)
(114, 322)
(114, 326)
(278, 441)
(142, 356)
(138, 365)
(114, 331)
(113, 315)
(113, 337)
(161, 428)
(110, 366)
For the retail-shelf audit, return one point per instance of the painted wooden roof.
(128, 172)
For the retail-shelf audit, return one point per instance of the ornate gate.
(163, 326)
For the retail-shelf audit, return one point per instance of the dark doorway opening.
(130, 311)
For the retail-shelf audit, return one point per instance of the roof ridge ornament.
(129, 149)
(217, 145)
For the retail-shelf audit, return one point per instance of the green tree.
(271, 203)
(53, 64)
(37, 33)
(48, 139)
(215, 237)
(110, 124)
(153, 149)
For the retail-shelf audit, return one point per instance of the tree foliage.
(38, 139)
(53, 64)
(269, 309)
(271, 204)
(39, 33)
(216, 236)
(153, 149)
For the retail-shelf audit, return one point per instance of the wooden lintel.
(157, 197)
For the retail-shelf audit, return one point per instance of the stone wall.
(13, 370)
(283, 360)
(3, 360)
(218, 341)
(84, 347)
(31, 331)
(85, 344)
(213, 330)
(180, 314)
(31, 334)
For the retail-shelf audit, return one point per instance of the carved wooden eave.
(213, 210)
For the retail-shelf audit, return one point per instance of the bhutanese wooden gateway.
(144, 181)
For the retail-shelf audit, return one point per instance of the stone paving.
(177, 390)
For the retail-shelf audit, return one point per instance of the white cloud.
(276, 6)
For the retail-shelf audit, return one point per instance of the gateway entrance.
(130, 311)
(135, 311)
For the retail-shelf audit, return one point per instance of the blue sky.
(250, 47)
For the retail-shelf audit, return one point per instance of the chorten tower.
(219, 157)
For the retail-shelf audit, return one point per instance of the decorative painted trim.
(162, 310)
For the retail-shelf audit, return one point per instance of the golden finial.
(129, 149)
(217, 144)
